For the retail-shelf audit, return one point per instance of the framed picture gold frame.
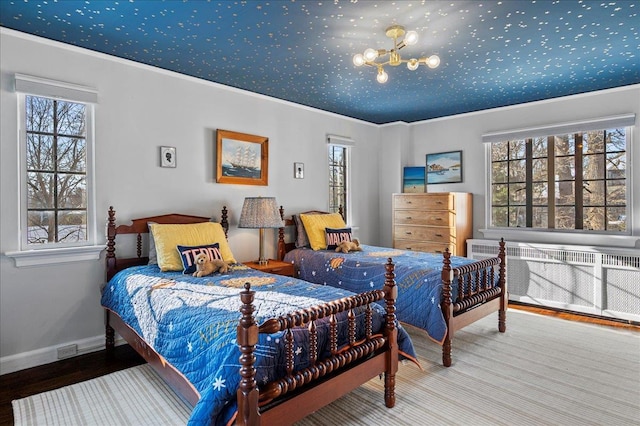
(242, 158)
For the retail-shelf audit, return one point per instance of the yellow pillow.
(169, 236)
(315, 225)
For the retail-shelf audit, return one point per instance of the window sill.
(555, 237)
(55, 255)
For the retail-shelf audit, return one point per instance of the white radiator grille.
(583, 279)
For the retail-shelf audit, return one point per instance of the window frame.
(346, 144)
(570, 236)
(61, 252)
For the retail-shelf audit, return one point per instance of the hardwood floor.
(61, 373)
(84, 367)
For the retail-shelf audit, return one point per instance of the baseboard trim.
(42, 356)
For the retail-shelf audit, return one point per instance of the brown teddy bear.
(347, 246)
(204, 266)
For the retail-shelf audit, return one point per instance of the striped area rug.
(542, 371)
(136, 396)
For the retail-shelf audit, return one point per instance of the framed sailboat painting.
(241, 158)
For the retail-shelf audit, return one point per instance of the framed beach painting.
(444, 167)
(241, 158)
(413, 179)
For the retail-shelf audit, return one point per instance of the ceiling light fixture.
(395, 31)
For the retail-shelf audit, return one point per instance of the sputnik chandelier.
(395, 32)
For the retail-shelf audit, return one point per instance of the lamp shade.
(260, 212)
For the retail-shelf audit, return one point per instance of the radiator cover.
(600, 281)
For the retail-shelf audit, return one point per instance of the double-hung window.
(56, 168)
(339, 161)
(571, 181)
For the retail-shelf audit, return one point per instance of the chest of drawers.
(432, 222)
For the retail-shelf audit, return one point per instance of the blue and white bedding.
(418, 277)
(191, 322)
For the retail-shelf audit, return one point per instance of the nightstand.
(273, 267)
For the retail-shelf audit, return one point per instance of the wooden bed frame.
(298, 394)
(469, 306)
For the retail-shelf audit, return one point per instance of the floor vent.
(592, 280)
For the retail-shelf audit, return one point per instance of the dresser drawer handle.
(436, 218)
(438, 235)
(408, 218)
(408, 232)
(438, 251)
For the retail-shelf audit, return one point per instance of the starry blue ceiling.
(493, 53)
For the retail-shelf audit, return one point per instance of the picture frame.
(168, 156)
(298, 170)
(241, 158)
(444, 167)
(413, 180)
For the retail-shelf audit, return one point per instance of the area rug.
(542, 371)
(136, 396)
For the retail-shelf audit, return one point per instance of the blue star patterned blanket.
(418, 277)
(191, 322)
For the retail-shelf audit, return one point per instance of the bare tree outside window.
(338, 178)
(567, 182)
(56, 156)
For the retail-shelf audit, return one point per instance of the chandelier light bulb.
(412, 64)
(382, 76)
(433, 61)
(370, 54)
(411, 38)
(358, 60)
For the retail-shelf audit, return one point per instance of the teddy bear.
(347, 246)
(204, 266)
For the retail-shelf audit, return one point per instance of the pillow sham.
(168, 236)
(335, 236)
(301, 235)
(153, 254)
(188, 255)
(315, 225)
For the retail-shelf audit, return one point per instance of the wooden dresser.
(433, 221)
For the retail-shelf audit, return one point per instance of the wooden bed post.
(281, 244)
(504, 295)
(446, 307)
(224, 221)
(391, 333)
(109, 332)
(247, 336)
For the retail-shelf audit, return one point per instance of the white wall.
(141, 108)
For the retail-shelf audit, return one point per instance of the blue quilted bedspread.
(191, 322)
(418, 276)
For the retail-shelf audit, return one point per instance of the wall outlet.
(67, 351)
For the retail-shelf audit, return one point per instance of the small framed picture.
(298, 170)
(167, 156)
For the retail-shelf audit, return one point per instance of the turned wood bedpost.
(504, 296)
(224, 221)
(391, 333)
(446, 307)
(247, 336)
(281, 245)
(109, 332)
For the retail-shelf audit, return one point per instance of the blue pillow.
(188, 255)
(336, 236)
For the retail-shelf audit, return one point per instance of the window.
(339, 153)
(56, 156)
(338, 179)
(573, 181)
(56, 178)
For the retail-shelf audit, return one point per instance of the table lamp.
(260, 213)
